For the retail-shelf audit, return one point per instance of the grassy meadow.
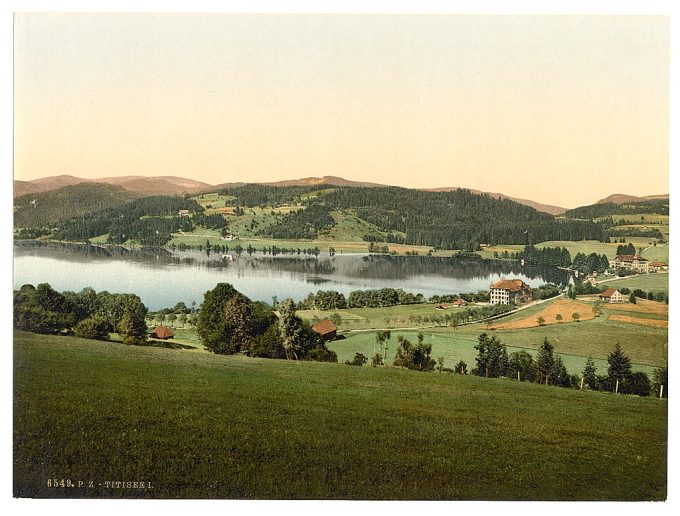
(656, 282)
(197, 425)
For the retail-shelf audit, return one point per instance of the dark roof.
(630, 258)
(163, 332)
(512, 285)
(324, 327)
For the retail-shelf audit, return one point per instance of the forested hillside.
(48, 208)
(593, 211)
(148, 220)
(455, 220)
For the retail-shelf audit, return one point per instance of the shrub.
(94, 327)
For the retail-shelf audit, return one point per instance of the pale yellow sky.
(562, 110)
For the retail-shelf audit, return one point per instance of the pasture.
(656, 282)
(197, 425)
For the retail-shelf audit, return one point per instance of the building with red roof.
(510, 292)
(611, 296)
(326, 329)
(163, 332)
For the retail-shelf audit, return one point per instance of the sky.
(563, 110)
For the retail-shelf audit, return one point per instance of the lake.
(161, 278)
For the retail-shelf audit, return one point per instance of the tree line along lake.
(162, 277)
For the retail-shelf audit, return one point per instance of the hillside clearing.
(549, 311)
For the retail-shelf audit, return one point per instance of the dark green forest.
(594, 211)
(47, 208)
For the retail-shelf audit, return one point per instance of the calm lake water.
(162, 278)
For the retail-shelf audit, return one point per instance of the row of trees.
(546, 256)
(587, 264)
(493, 361)
(86, 314)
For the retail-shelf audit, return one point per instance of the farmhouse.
(611, 296)
(459, 302)
(326, 329)
(183, 213)
(633, 262)
(506, 292)
(162, 332)
(592, 279)
(658, 266)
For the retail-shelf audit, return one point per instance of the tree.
(182, 319)
(558, 373)
(461, 367)
(132, 322)
(545, 360)
(631, 298)
(358, 360)
(290, 329)
(541, 321)
(576, 316)
(492, 357)
(381, 339)
(619, 365)
(521, 365)
(95, 327)
(637, 383)
(440, 364)
(211, 324)
(590, 374)
(558, 318)
(172, 317)
(660, 379)
(412, 356)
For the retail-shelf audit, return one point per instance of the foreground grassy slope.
(199, 425)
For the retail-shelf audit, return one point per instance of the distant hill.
(545, 208)
(24, 187)
(173, 185)
(47, 208)
(325, 180)
(623, 198)
(159, 185)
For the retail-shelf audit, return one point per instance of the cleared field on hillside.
(549, 311)
(656, 282)
(197, 425)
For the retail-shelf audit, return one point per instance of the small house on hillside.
(326, 329)
(163, 332)
(459, 302)
(183, 213)
(510, 292)
(611, 296)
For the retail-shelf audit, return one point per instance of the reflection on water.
(162, 278)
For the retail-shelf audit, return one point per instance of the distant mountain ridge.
(147, 185)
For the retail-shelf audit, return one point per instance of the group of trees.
(86, 314)
(493, 361)
(546, 256)
(230, 323)
(587, 264)
(625, 249)
(305, 223)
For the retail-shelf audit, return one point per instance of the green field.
(196, 425)
(657, 282)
